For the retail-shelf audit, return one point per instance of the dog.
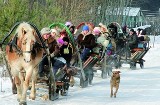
(114, 83)
(72, 71)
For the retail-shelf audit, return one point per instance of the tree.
(32, 11)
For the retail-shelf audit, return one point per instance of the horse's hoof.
(23, 103)
(14, 91)
(111, 95)
(32, 97)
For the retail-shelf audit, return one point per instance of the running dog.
(114, 82)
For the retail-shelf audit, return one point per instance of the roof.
(142, 27)
(129, 11)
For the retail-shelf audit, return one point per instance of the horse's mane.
(24, 28)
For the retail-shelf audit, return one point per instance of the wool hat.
(68, 24)
(85, 28)
(100, 24)
(54, 31)
(45, 30)
(96, 30)
(66, 39)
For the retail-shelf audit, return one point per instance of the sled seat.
(59, 83)
(137, 49)
(91, 61)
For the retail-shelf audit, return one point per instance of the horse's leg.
(14, 88)
(33, 90)
(25, 86)
(18, 85)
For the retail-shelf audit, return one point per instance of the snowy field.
(137, 87)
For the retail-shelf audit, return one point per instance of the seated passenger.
(87, 42)
(103, 28)
(101, 38)
(55, 33)
(66, 50)
(70, 26)
(132, 39)
(57, 61)
(48, 40)
(139, 34)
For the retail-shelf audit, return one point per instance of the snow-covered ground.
(137, 87)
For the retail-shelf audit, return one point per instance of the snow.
(142, 27)
(137, 87)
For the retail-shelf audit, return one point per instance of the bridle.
(13, 43)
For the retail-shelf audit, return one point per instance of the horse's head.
(113, 30)
(26, 40)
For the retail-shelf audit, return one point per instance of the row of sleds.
(124, 55)
(105, 63)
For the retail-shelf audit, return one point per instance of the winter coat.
(87, 41)
(133, 41)
(66, 52)
(53, 47)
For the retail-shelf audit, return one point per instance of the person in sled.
(66, 51)
(102, 39)
(56, 60)
(132, 41)
(70, 26)
(87, 42)
(51, 43)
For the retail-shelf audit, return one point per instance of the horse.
(23, 54)
(117, 36)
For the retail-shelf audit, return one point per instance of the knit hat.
(96, 31)
(66, 39)
(85, 28)
(45, 30)
(100, 24)
(68, 24)
(55, 31)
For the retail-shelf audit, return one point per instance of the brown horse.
(23, 56)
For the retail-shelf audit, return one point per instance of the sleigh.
(51, 82)
(95, 61)
(138, 54)
(126, 55)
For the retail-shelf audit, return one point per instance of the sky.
(137, 87)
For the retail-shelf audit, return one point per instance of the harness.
(13, 44)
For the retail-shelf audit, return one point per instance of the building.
(130, 16)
